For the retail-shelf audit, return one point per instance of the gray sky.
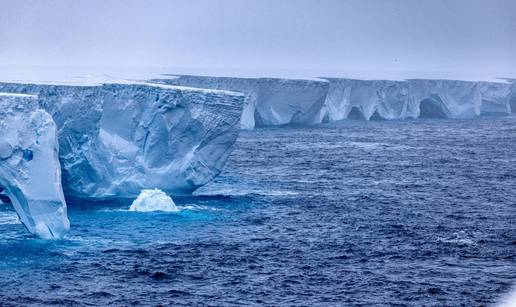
(455, 35)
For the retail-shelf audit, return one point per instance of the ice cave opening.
(356, 114)
(258, 120)
(432, 108)
(4, 198)
(376, 116)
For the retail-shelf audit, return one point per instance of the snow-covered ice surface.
(153, 200)
(30, 173)
(284, 97)
(293, 97)
(117, 139)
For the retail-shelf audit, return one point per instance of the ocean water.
(416, 213)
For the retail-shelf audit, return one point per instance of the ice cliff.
(268, 101)
(381, 99)
(272, 101)
(117, 139)
(513, 96)
(30, 173)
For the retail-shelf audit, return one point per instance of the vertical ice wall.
(247, 86)
(461, 99)
(495, 98)
(268, 101)
(274, 102)
(116, 139)
(289, 101)
(30, 173)
(445, 98)
(513, 96)
(368, 99)
(172, 138)
(381, 99)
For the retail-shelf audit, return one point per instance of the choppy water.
(409, 213)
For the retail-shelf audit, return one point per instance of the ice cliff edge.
(117, 139)
(275, 101)
(30, 173)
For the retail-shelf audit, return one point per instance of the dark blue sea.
(415, 213)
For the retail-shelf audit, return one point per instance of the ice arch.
(30, 173)
(4, 198)
(432, 107)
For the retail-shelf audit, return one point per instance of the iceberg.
(116, 139)
(268, 101)
(119, 139)
(30, 173)
(276, 102)
(460, 99)
(513, 97)
(367, 99)
(153, 200)
(417, 98)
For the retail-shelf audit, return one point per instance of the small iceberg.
(153, 200)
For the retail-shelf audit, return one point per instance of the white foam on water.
(458, 238)
(245, 192)
(187, 207)
(197, 208)
(374, 146)
(366, 145)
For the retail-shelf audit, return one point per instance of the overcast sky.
(266, 34)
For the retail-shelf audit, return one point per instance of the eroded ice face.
(117, 139)
(30, 172)
(272, 101)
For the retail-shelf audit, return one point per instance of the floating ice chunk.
(153, 200)
(30, 172)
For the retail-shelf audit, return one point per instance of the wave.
(7, 218)
(458, 238)
(245, 192)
